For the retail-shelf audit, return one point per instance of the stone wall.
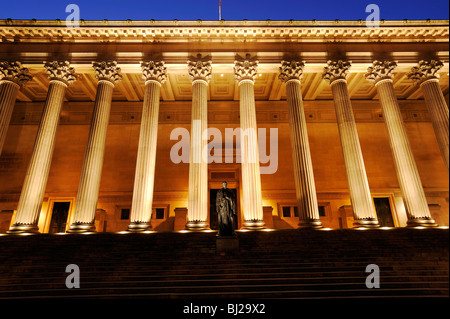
(171, 182)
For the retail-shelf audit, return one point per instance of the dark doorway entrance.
(212, 209)
(59, 217)
(384, 213)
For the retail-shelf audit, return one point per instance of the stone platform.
(303, 264)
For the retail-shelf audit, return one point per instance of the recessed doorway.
(384, 212)
(60, 213)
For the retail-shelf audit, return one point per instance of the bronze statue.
(226, 211)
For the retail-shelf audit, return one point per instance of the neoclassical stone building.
(92, 119)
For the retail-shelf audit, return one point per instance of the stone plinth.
(227, 244)
(180, 219)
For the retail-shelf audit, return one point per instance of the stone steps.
(243, 291)
(280, 264)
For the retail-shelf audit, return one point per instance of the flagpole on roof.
(220, 10)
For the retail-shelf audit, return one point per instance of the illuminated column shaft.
(35, 182)
(303, 170)
(12, 75)
(426, 73)
(33, 189)
(382, 73)
(141, 207)
(363, 208)
(251, 176)
(291, 73)
(198, 168)
(354, 162)
(245, 73)
(8, 92)
(200, 74)
(89, 186)
(438, 109)
(408, 176)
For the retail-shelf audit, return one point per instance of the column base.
(253, 225)
(421, 222)
(366, 223)
(310, 224)
(23, 229)
(137, 227)
(197, 225)
(78, 228)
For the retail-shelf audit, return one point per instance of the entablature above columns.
(269, 31)
(130, 42)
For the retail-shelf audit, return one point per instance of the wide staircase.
(269, 264)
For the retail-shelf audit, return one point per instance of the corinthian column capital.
(291, 70)
(381, 70)
(14, 72)
(425, 70)
(200, 69)
(107, 71)
(154, 71)
(60, 71)
(246, 69)
(336, 70)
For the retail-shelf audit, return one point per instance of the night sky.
(231, 9)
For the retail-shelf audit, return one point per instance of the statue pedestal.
(226, 244)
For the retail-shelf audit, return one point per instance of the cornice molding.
(224, 23)
(145, 31)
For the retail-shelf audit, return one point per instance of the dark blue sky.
(231, 9)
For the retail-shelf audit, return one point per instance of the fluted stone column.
(381, 73)
(291, 74)
(363, 208)
(12, 77)
(245, 72)
(154, 74)
(107, 74)
(200, 74)
(426, 73)
(32, 195)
